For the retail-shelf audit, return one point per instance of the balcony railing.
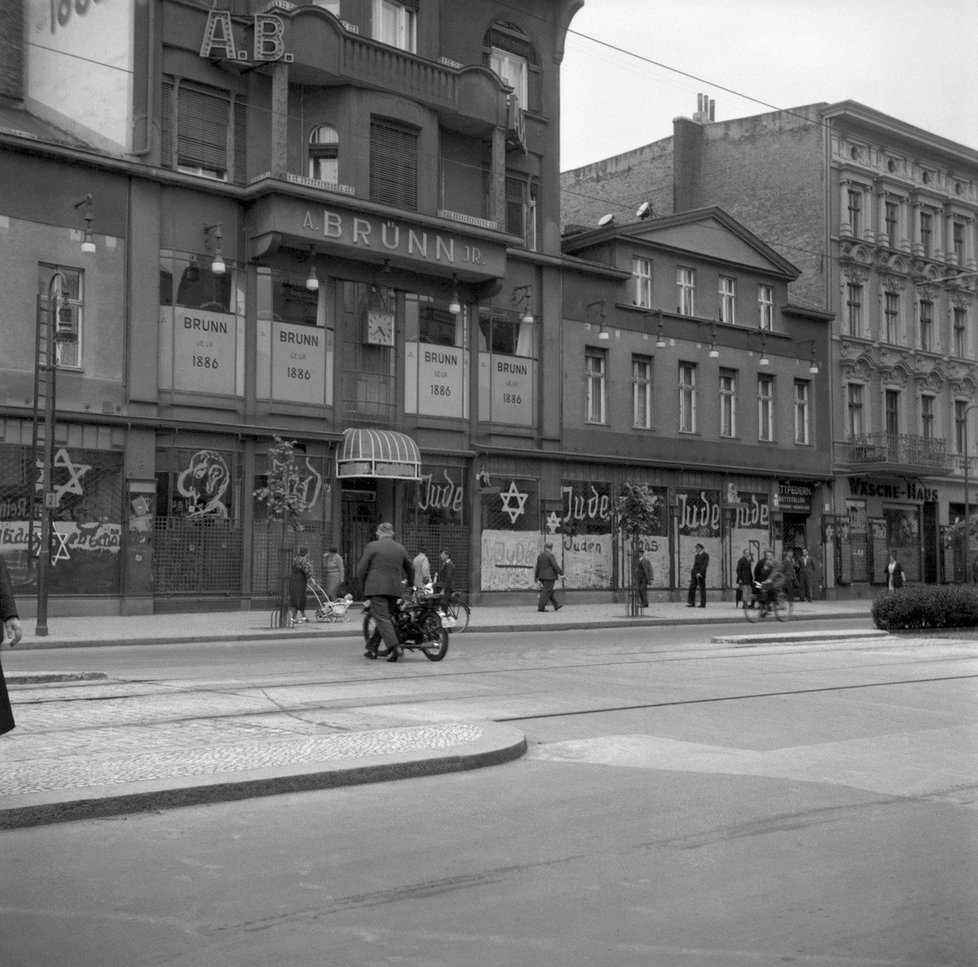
(896, 451)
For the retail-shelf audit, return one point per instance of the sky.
(916, 60)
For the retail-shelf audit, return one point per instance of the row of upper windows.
(596, 379)
(893, 322)
(899, 224)
(727, 311)
(858, 418)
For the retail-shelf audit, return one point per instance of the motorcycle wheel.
(435, 645)
(781, 610)
(753, 611)
(370, 633)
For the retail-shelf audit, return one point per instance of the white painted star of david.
(515, 513)
(73, 485)
(553, 522)
(61, 554)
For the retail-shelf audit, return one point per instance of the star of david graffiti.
(553, 522)
(517, 511)
(73, 483)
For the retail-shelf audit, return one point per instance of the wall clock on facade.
(380, 328)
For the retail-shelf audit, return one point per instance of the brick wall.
(11, 50)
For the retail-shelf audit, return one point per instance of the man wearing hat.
(697, 577)
(546, 572)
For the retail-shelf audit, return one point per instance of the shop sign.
(434, 380)
(298, 363)
(905, 490)
(795, 498)
(506, 389)
(219, 41)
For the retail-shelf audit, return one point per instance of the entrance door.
(359, 526)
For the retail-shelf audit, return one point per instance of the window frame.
(926, 224)
(855, 410)
(641, 392)
(595, 381)
(854, 207)
(687, 397)
(727, 295)
(686, 287)
(891, 411)
(927, 415)
(402, 18)
(959, 331)
(765, 307)
(803, 405)
(854, 309)
(641, 282)
(75, 279)
(891, 221)
(324, 151)
(891, 317)
(727, 388)
(925, 326)
(765, 408)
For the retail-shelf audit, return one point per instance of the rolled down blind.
(204, 122)
(394, 164)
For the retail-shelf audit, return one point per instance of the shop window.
(282, 297)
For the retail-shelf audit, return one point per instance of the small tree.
(637, 508)
(281, 496)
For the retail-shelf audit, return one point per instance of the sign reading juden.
(434, 380)
(298, 363)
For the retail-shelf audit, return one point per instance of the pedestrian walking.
(13, 631)
(745, 579)
(894, 573)
(790, 571)
(697, 577)
(546, 572)
(806, 575)
(422, 570)
(644, 575)
(298, 582)
(382, 571)
(334, 572)
(445, 578)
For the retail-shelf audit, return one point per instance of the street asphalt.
(143, 745)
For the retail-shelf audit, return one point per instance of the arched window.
(509, 52)
(324, 150)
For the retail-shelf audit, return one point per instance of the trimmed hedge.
(927, 606)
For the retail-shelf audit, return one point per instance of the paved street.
(682, 801)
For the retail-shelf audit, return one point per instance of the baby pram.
(326, 608)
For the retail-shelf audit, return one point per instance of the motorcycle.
(765, 602)
(420, 623)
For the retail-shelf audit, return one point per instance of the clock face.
(380, 328)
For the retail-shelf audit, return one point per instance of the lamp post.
(54, 327)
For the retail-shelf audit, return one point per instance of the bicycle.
(765, 602)
(458, 610)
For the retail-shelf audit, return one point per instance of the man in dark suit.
(382, 570)
(697, 577)
(745, 579)
(546, 572)
(445, 577)
(11, 628)
(644, 575)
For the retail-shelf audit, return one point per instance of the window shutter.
(166, 124)
(394, 164)
(515, 206)
(203, 129)
(240, 142)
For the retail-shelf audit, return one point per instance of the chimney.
(687, 154)
(12, 50)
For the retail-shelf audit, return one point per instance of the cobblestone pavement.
(97, 746)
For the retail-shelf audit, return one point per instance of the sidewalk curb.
(353, 631)
(499, 743)
(797, 638)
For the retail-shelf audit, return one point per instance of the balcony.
(893, 453)
(469, 98)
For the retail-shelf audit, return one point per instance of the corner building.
(882, 220)
(330, 222)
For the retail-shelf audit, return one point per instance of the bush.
(927, 606)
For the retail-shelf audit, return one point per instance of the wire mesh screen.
(196, 556)
(272, 553)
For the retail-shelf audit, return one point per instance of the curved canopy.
(378, 453)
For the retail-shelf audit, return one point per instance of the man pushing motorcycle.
(382, 570)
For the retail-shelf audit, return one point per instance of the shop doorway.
(359, 524)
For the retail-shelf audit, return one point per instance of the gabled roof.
(705, 233)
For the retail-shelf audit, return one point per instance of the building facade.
(881, 219)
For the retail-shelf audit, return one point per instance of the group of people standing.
(794, 575)
(334, 577)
